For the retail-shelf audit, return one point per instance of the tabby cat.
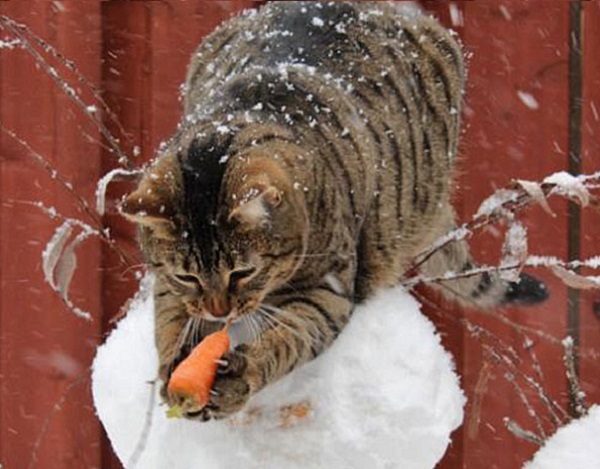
(313, 163)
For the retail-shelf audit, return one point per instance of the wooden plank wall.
(519, 49)
(44, 348)
(136, 53)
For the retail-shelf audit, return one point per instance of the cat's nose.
(218, 306)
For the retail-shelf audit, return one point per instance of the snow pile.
(384, 395)
(574, 446)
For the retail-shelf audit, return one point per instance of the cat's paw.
(231, 389)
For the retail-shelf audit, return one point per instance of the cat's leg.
(484, 290)
(301, 325)
(170, 326)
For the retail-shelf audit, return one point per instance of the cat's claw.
(233, 363)
(230, 390)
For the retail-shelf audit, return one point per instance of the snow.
(495, 201)
(456, 16)
(316, 21)
(384, 395)
(574, 446)
(103, 185)
(514, 250)
(528, 100)
(569, 185)
(10, 43)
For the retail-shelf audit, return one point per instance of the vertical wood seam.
(574, 167)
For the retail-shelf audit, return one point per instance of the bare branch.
(509, 200)
(519, 432)
(143, 439)
(530, 261)
(530, 410)
(58, 405)
(16, 30)
(70, 65)
(576, 394)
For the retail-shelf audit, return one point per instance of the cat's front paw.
(231, 389)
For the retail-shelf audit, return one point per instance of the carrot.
(194, 377)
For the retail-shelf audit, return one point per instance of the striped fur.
(314, 161)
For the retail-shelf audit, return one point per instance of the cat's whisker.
(277, 327)
(194, 336)
(256, 330)
(260, 326)
(319, 254)
(252, 327)
(246, 323)
(272, 312)
(181, 339)
(314, 334)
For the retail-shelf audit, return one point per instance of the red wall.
(136, 54)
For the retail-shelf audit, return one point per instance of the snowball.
(574, 446)
(384, 395)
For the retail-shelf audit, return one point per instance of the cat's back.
(333, 38)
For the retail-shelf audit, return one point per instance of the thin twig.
(143, 439)
(530, 410)
(530, 261)
(13, 27)
(519, 432)
(71, 66)
(520, 200)
(576, 394)
(55, 408)
(81, 202)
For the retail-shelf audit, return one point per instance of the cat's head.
(221, 231)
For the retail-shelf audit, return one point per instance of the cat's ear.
(257, 206)
(154, 202)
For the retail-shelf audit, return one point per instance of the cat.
(313, 162)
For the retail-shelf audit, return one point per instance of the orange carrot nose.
(217, 305)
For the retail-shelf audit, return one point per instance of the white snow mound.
(385, 395)
(574, 446)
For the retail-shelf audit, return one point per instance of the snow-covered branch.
(506, 202)
(503, 205)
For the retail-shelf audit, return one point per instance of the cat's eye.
(187, 280)
(241, 274)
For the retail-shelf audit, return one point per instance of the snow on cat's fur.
(385, 395)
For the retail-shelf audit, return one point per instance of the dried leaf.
(53, 251)
(175, 412)
(569, 185)
(292, 415)
(573, 280)
(65, 268)
(59, 260)
(534, 190)
(115, 174)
